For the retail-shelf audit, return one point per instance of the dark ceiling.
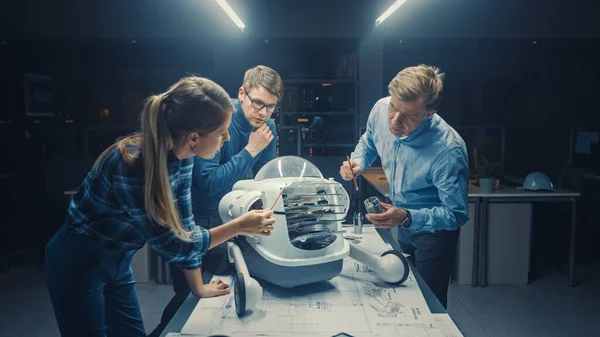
(189, 19)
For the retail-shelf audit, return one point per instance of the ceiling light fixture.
(389, 12)
(236, 19)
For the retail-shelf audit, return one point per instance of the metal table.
(513, 195)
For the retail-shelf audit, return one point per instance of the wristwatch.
(407, 221)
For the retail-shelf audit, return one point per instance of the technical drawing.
(353, 302)
(377, 300)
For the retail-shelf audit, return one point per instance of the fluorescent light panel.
(236, 19)
(389, 12)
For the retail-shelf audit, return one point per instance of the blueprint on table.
(356, 302)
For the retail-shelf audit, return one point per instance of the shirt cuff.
(201, 238)
(247, 156)
(419, 217)
(359, 161)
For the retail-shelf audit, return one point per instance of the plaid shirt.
(110, 207)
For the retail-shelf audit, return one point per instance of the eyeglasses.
(259, 105)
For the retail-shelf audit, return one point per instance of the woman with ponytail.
(138, 192)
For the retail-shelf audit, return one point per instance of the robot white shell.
(307, 244)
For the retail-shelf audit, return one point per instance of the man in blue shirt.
(253, 144)
(426, 164)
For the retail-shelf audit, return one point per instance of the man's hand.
(391, 216)
(259, 140)
(214, 288)
(350, 171)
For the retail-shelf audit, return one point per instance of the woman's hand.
(257, 222)
(213, 289)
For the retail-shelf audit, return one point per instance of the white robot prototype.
(307, 244)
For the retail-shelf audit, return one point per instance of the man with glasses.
(253, 144)
(425, 161)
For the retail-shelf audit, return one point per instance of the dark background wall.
(113, 19)
(529, 66)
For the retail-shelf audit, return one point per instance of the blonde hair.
(193, 104)
(265, 77)
(419, 82)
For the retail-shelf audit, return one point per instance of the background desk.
(70, 193)
(184, 312)
(494, 245)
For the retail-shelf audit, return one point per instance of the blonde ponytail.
(157, 142)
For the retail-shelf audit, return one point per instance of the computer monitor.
(585, 146)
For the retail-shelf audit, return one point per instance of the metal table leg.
(484, 241)
(572, 242)
(476, 229)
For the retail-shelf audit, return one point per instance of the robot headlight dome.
(288, 167)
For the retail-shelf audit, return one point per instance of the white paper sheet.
(356, 302)
(444, 323)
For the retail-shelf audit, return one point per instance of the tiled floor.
(546, 307)
(26, 311)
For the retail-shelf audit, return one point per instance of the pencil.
(279, 195)
(353, 179)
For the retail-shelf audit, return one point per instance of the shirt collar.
(424, 126)
(171, 157)
(238, 118)
(173, 163)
